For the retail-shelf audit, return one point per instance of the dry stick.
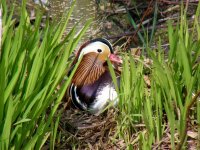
(91, 126)
(175, 3)
(145, 14)
(179, 146)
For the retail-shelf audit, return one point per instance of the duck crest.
(88, 71)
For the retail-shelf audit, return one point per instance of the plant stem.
(179, 146)
(1, 28)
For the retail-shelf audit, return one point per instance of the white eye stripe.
(93, 47)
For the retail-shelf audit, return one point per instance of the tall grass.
(32, 64)
(175, 88)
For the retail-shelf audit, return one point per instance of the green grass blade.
(5, 134)
(12, 83)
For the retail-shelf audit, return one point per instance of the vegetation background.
(159, 94)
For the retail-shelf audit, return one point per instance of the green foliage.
(30, 71)
(174, 82)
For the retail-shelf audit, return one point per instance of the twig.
(175, 3)
(194, 99)
(118, 11)
(144, 16)
(91, 126)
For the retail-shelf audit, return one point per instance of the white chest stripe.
(106, 95)
(77, 97)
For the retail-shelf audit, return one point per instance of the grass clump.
(156, 116)
(32, 64)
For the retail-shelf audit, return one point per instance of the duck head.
(94, 55)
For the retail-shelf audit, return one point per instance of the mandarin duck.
(92, 88)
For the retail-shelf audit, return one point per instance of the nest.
(82, 130)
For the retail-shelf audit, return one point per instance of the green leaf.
(6, 128)
(14, 79)
(22, 121)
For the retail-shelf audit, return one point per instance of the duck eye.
(99, 50)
